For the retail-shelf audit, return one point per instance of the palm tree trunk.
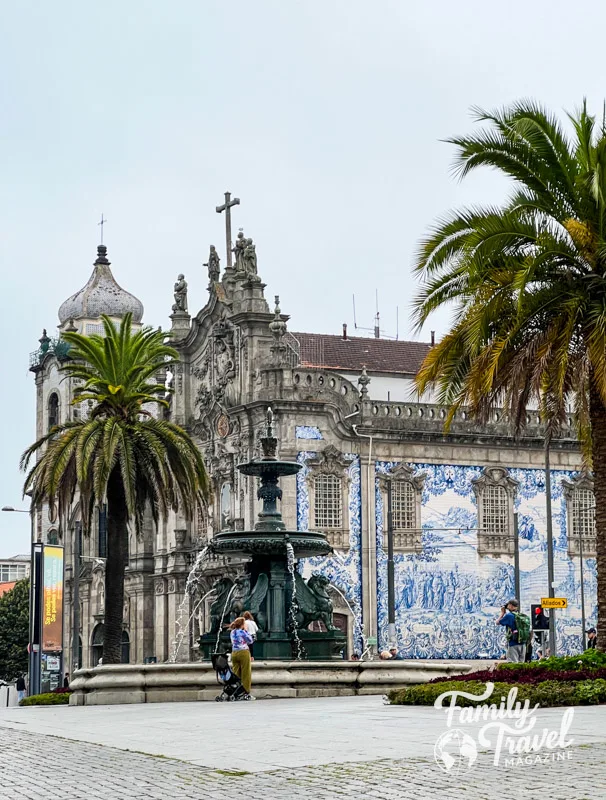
(597, 412)
(117, 553)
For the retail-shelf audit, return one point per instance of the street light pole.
(516, 559)
(391, 603)
(76, 599)
(550, 570)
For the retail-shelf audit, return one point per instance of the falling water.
(227, 599)
(290, 564)
(193, 579)
(357, 618)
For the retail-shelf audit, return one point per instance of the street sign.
(554, 602)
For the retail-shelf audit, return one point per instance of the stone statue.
(213, 264)
(313, 603)
(246, 600)
(180, 304)
(250, 258)
(238, 252)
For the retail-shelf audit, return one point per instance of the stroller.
(232, 687)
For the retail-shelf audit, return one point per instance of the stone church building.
(346, 409)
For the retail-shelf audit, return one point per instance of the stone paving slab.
(34, 766)
(275, 733)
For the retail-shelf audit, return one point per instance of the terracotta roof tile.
(6, 587)
(379, 355)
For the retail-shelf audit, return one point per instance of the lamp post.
(33, 665)
(550, 570)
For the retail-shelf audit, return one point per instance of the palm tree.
(527, 281)
(122, 455)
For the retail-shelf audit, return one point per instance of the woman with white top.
(251, 627)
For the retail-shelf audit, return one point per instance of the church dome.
(101, 295)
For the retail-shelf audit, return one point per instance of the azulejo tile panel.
(344, 570)
(308, 432)
(448, 597)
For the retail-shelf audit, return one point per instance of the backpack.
(522, 627)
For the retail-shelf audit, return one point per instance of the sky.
(327, 118)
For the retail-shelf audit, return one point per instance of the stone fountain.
(271, 588)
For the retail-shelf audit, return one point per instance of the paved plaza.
(317, 748)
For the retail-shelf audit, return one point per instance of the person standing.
(518, 630)
(251, 627)
(240, 654)
(20, 687)
(592, 638)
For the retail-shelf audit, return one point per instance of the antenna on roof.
(397, 323)
(354, 311)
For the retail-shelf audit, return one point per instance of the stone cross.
(227, 208)
(102, 223)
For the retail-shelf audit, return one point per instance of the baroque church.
(345, 408)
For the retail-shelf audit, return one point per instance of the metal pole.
(76, 600)
(550, 571)
(583, 621)
(391, 599)
(516, 559)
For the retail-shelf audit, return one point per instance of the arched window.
(53, 410)
(125, 654)
(97, 644)
(53, 537)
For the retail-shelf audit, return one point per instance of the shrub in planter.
(48, 699)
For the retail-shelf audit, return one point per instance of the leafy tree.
(14, 631)
(528, 284)
(121, 455)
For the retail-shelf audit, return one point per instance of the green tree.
(121, 455)
(14, 631)
(527, 281)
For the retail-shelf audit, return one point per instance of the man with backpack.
(518, 630)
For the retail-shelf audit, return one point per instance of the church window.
(406, 488)
(78, 533)
(328, 501)
(495, 510)
(580, 514)
(102, 549)
(97, 644)
(403, 505)
(125, 650)
(53, 410)
(53, 537)
(495, 492)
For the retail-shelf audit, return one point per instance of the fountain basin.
(265, 543)
(167, 683)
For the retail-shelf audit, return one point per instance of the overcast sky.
(325, 117)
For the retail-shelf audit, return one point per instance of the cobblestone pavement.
(39, 767)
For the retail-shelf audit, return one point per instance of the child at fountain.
(240, 654)
(251, 626)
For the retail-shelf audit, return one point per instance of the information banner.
(52, 599)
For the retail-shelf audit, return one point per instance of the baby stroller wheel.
(219, 698)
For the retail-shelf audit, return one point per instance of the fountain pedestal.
(282, 606)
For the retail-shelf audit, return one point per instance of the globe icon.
(455, 752)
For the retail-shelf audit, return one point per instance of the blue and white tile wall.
(344, 570)
(448, 597)
(308, 432)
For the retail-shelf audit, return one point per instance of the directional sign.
(554, 602)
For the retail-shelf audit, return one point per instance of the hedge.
(546, 693)
(48, 699)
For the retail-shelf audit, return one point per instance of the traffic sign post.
(554, 602)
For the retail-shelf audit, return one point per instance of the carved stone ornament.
(329, 462)
(495, 476)
(159, 587)
(402, 472)
(223, 426)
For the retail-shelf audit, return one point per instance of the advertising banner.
(52, 599)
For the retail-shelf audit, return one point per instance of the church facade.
(345, 409)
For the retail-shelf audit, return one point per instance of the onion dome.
(101, 295)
